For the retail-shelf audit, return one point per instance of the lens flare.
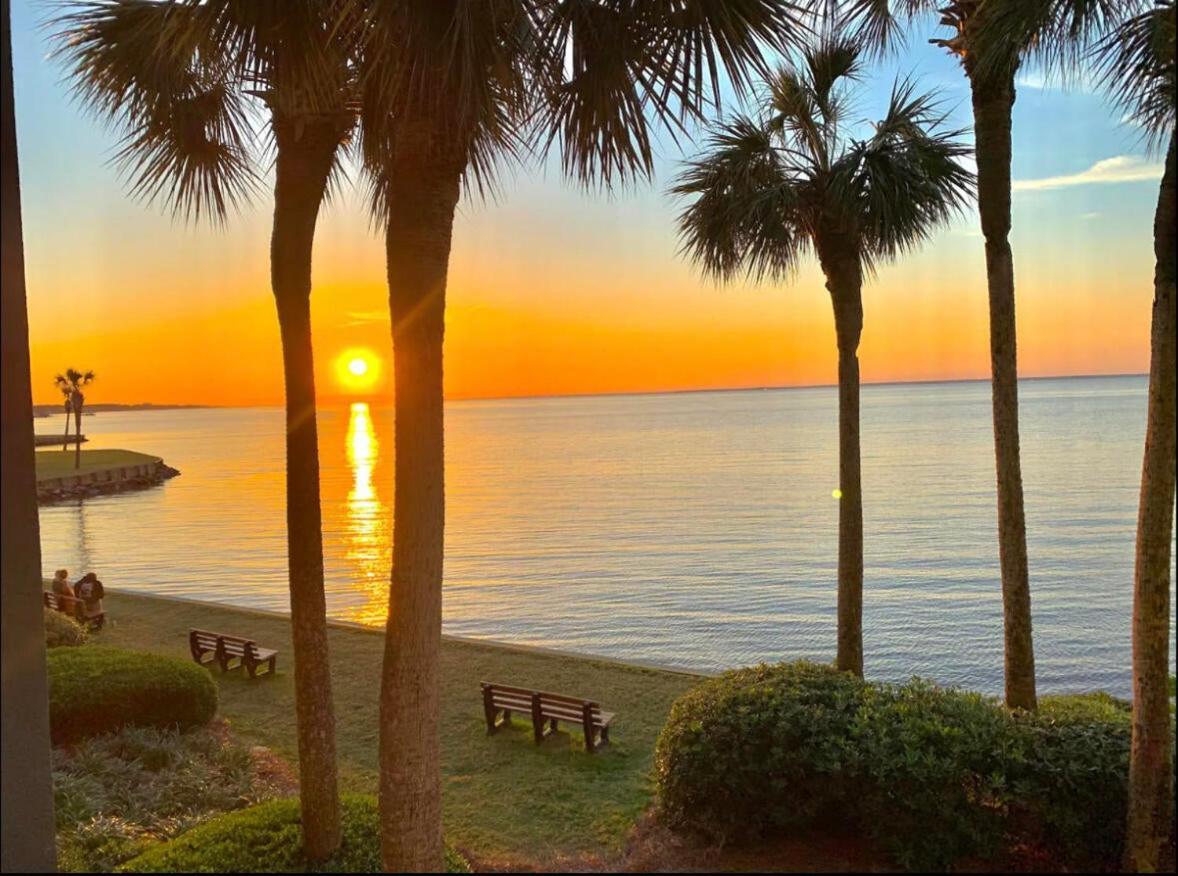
(836, 493)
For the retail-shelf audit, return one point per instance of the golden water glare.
(367, 525)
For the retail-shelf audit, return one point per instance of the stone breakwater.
(104, 481)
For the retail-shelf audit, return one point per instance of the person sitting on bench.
(89, 589)
(61, 583)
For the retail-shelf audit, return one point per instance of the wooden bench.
(223, 649)
(546, 711)
(74, 607)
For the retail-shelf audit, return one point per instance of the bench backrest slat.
(232, 645)
(551, 705)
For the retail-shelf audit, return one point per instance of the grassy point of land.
(505, 800)
(56, 463)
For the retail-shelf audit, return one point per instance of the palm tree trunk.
(992, 106)
(304, 157)
(65, 441)
(424, 191)
(26, 792)
(1151, 772)
(78, 402)
(844, 280)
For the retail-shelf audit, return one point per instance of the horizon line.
(341, 398)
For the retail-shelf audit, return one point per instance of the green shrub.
(757, 748)
(62, 630)
(928, 765)
(94, 690)
(933, 775)
(1070, 788)
(267, 839)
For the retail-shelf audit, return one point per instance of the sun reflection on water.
(367, 523)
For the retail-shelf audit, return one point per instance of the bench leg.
(603, 739)
(272, 663)
(589, 742)
(537, 719)
(251, 667)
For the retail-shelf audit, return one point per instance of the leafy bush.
(933, 775)
(267, 839)
(928, 764)
(118, 794)
(760, 747)
(1071, 784)
(94, 690)
(62, 630)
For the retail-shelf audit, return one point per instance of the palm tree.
(71, 383)
(791, 179)
(1130, 45)
(26, 788)
(187, 80)
(1137, 61)
(67, 404)
(993, 93)
(452, 89)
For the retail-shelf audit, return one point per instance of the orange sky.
(185, 315)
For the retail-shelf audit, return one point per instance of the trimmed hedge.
(933, 775)
(760, 747)
(1071, 784)
(61, 630)
(267, 839)
(94, 689)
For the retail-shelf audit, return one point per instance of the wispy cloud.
(1118, 169)
(365, 317)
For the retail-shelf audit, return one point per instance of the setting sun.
(357, 369)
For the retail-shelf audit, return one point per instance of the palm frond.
(1054, 36)
(905, 181)
(747, 215)
(1136, 66)
(187, 135)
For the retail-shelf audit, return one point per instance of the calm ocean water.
(695, 530)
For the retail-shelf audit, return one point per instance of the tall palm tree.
(26, 788)
(71, 384)
(453, 88)
(1137, 62)
(1128, 45)
(792, 179)
(188, 80)
(993, 93)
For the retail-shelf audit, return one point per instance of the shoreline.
(128, 471)
(356, 626)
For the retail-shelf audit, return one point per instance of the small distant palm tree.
(792, 179)
(71, 383)
(68, 406)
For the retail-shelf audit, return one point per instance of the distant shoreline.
(102, 407)
(336, 400)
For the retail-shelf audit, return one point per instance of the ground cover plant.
(61, 630)
(118, 794)
(267, 838)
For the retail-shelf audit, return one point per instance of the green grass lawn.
(56, 463)
(505, 799)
